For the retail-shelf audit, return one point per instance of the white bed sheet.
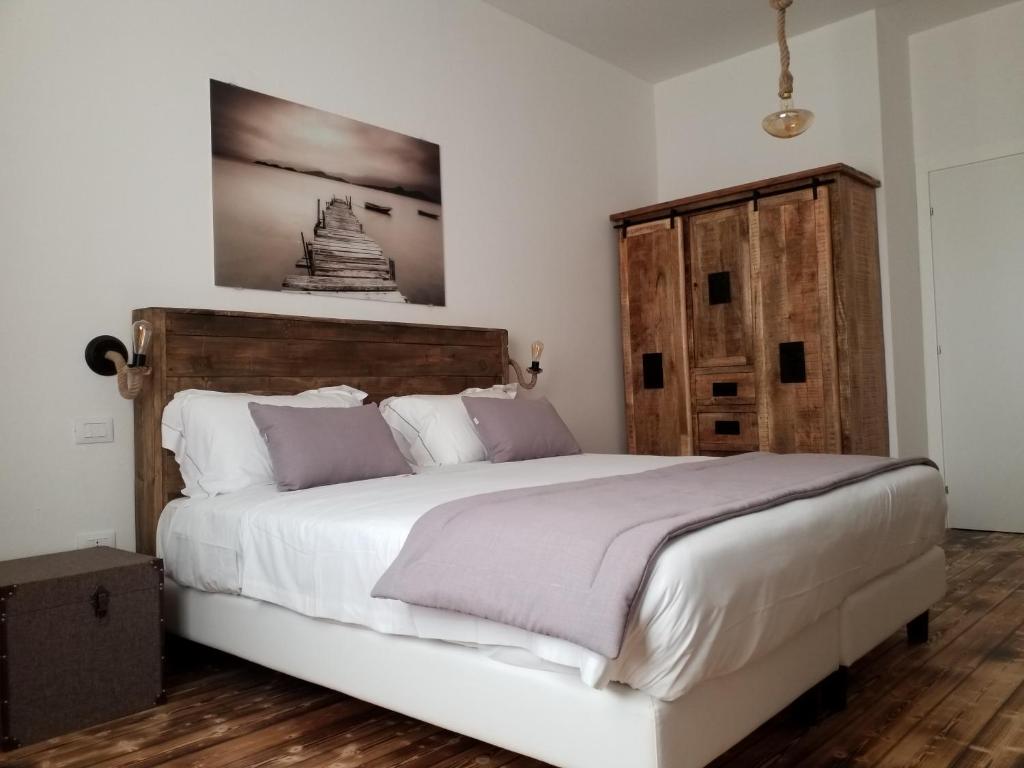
(717, 598)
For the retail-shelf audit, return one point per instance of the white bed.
(743, 595)
(737, 620)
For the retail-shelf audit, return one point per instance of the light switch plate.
(99, 429)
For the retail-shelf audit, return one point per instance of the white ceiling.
(659, 39)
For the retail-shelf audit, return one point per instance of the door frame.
(930, 328)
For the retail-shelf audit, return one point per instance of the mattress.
(716, 599)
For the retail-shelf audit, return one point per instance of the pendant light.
(788, 121)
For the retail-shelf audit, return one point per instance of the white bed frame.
(550, 716)
(546, 715)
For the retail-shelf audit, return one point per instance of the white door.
(978, 253)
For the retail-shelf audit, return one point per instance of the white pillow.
(435, 430)
(217, 445)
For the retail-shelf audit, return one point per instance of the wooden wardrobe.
(752, 319)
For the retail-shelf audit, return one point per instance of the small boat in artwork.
(428, 214)
(386, 209)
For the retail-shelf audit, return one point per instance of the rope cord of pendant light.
(785, 76)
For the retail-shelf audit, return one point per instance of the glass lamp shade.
(536, 350)
(788, 121)
(142, 337)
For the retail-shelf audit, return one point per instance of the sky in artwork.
(252, 126)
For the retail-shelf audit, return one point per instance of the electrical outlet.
(96, 539)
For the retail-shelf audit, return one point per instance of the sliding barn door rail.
(673, 213)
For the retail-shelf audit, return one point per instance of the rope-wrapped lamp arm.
(108, 356)
(536, 350)
(129, 378)
(524, 382)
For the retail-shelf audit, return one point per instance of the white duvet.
(717, 598)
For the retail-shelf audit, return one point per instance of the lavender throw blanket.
(569, 560)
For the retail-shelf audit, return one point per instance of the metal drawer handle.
(725, 389)
(719, 288)
(792, 363)
(727, 428)
(653, 370)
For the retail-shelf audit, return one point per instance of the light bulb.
(536, 350)
(142, 338)
(788, 121)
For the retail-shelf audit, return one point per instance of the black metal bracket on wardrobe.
(755, 197)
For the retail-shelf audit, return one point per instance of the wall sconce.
(107, 356)
(536, 350)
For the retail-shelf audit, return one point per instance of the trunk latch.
(100, 602)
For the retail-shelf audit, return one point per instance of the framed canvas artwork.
(309, 201)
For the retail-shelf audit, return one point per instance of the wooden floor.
(957, 701)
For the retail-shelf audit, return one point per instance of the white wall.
(709, 121)
(968, 106)
(105, 201)
(967, 94)
(105, 185)
(898, 231)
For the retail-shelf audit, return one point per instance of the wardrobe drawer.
(724, 389)
(727, 431)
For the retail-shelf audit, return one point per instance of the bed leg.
(823, 699)
(808, 708)
(917, 629)
(835, 687)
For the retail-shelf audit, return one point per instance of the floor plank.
(956, 702)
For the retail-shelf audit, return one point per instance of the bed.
(700, 668)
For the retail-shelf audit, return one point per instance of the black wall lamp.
(536, 350)
(108, 356)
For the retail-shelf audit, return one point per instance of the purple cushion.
(515, 430)
(323, 446)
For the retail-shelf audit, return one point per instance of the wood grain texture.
(792, 271)
(280, 355)
(858, 312)
(704, 388)
(152, 483)
(709, 438)
(653, 322)
(682, 204)
(827, 310)
(802, 266)
(719, 245)
(955, 702)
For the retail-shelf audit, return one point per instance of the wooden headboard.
(281, 355)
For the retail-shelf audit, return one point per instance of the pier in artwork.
(342, 259)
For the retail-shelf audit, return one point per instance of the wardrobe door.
(791, 267)
(654, 339)
(720, 288)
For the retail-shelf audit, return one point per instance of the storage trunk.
(81, 641)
